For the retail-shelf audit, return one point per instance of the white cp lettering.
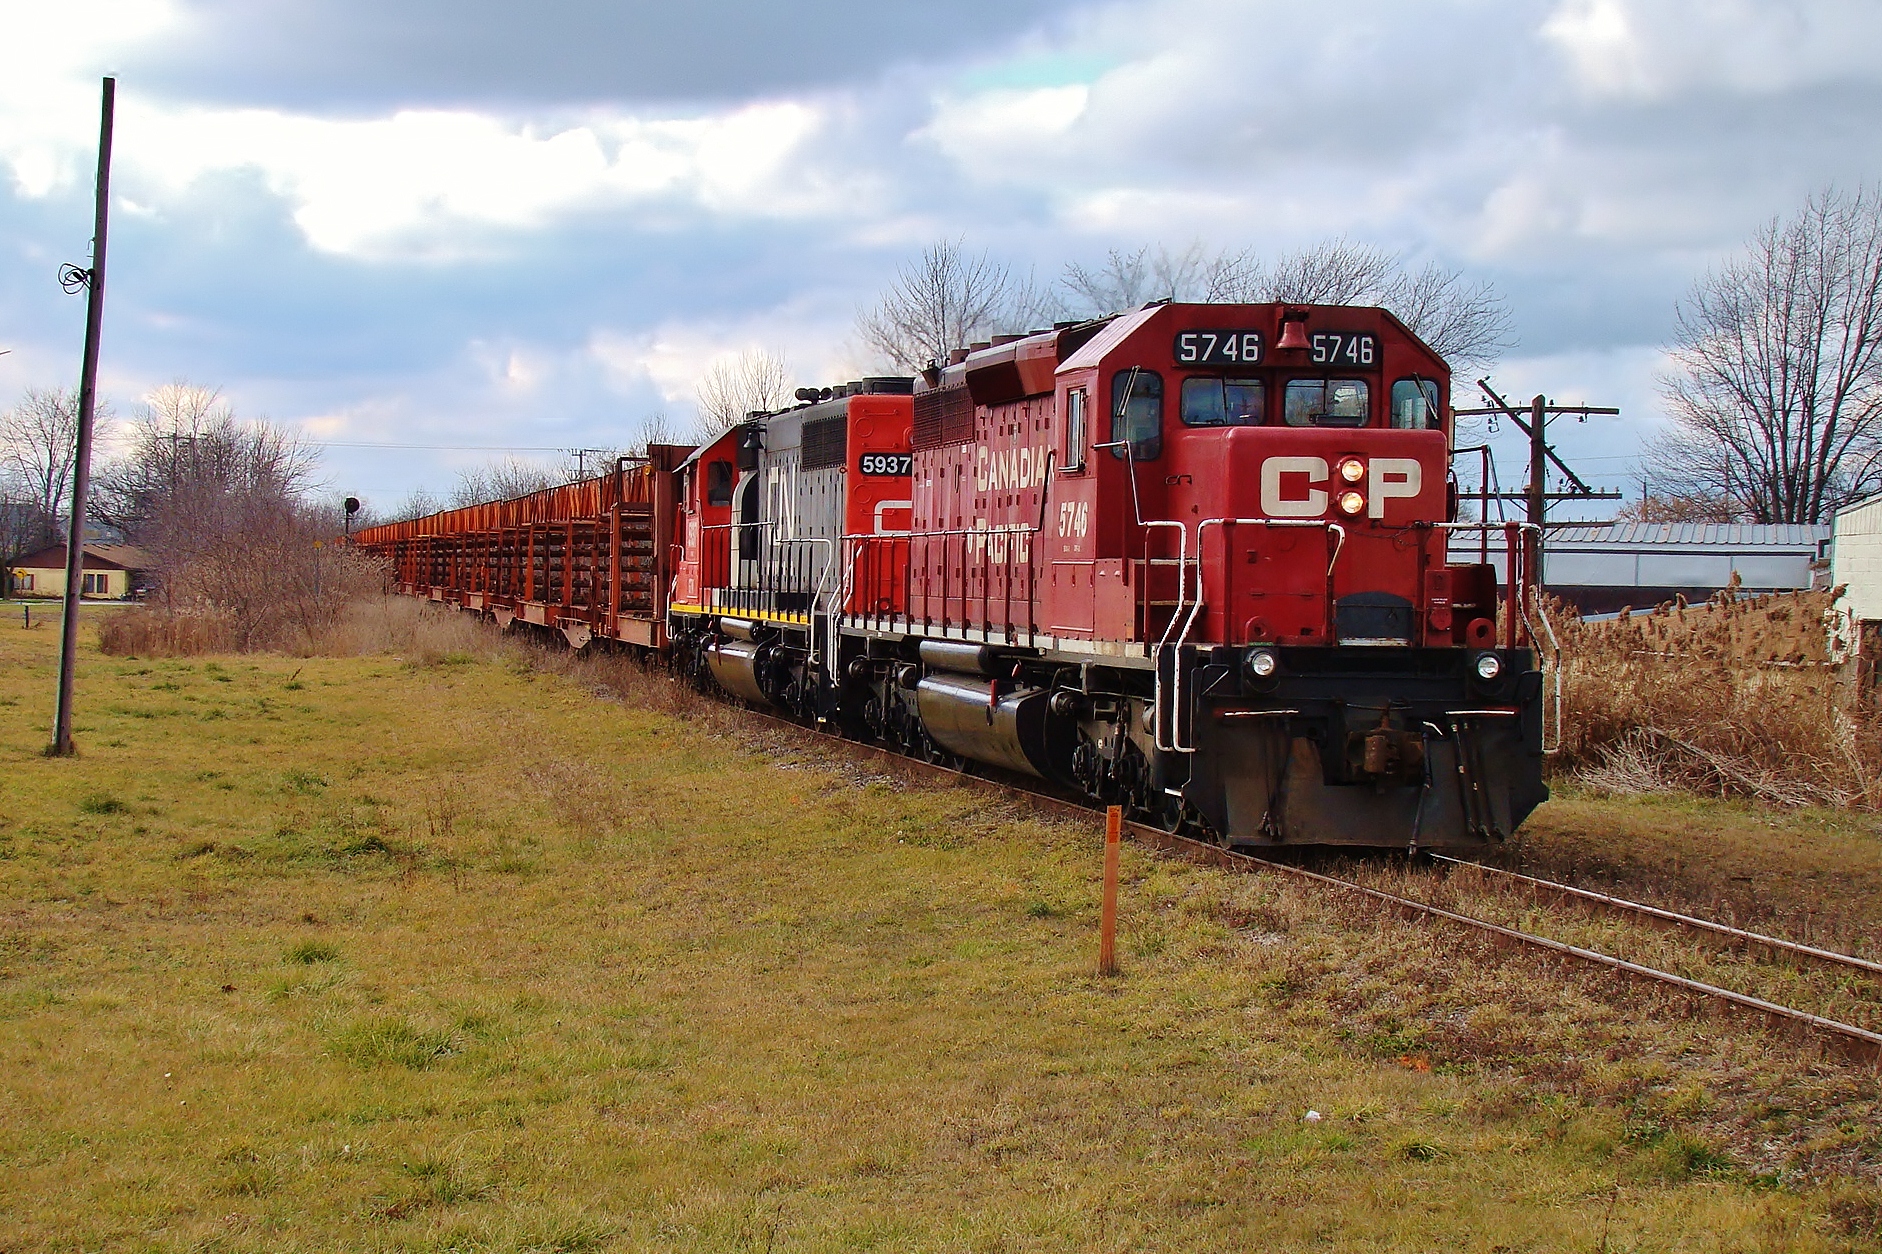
(1274, 505)
(1391, 478)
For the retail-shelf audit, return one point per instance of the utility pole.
(1535, 493)
(581, 456)
(94, 283)
(1538, 467)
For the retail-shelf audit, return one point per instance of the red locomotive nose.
(1293, 331)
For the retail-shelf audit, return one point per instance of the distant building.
(1603, 568)
(1856, 558)
(113, 572)
(1856, 563)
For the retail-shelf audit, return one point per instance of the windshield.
(1213, 402)
(1328, 403)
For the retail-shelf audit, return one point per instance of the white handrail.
(1339, 544)
(1535, 595)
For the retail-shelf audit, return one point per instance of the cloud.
(424, 182)
(674, 355)
(1001, 127)
(369, 55)
(604, 197)
(1652, 49)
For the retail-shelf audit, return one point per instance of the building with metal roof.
(1603, 568)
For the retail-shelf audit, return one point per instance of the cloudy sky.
(422, 230)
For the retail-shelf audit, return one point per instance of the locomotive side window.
(1076, 432)
(719, 483)
(748, 521)
(1222, 402)
(1415, 404)
(1327, 403)
(1137, 413)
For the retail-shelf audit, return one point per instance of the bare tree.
(500, 480)
(37, 439)
(1673, 507)
(1464, 322)
(221, 506)
(1127, 280)
(946, 298)
(419, 503)
(1031, 304)
(188, 453)
(655, 428)
(735, 386)
(1333, 272)
(1778, 404)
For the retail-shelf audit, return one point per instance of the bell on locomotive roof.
(1293, 330)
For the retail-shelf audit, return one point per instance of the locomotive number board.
(1343, 348)
(885, 464)
(1218, 348)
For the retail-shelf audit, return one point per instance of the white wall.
(1856, 559)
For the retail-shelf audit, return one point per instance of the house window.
(94, 586)
(1075, 429)
(25, 583)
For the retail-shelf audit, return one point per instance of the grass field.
(363, 953)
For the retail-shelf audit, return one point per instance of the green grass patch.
(380, 1040)
(308, 952)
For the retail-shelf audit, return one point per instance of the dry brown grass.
(1729, 698)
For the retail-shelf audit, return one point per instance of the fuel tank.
(734, 664)
(1015, 730)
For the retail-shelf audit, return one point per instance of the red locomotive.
(1194, 559)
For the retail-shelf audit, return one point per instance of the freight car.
(1193, 559)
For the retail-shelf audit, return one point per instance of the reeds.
(1744, 697)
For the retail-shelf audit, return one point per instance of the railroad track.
(1855, 1043)
(1673, 919)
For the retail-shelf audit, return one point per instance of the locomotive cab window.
(1327, 403)
(719, 483)
(1137, 413)
(1214, 402)
(1415, 404)
(1076, 431)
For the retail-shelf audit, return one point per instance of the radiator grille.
(944, 416)
(826, 442)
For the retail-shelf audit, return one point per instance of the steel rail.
(1662, 915)
(1856, 1043)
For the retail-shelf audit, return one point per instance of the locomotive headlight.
(1262, 664)
(1489, 666)
(1352, 470)
(1352, 502)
